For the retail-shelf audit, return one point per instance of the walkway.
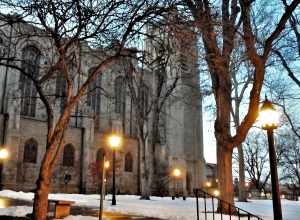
(75, 210)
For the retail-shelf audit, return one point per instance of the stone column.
(87, 142)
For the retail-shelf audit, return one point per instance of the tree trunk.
(40, 206)
(145, 188)
(222, 90)
(154, 140)
(242, 194)
(54, 148)
(139, 170)
(242, 187)
(224, 158)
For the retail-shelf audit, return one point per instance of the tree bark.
(40, 206)
(53, 150)
(145, 188)
(139, 170)
(224, 158)
(222, 90)
(242, 194)
(154, 140)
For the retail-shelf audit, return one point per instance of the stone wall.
(1, 124)
(22, 176)
(126, 182)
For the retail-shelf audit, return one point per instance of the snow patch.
(157, 207)
(16, 211)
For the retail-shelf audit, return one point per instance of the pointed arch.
(144, 99)
(120, 95)
(100, 154)
(68, 155)
(3, 46)
(94, 92)
(30, 151)
(60, 90)
(128, 162)
(30, 64)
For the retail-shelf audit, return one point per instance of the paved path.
(75, 210)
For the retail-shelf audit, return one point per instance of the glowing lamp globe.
(176, 172)
(106, 164)
(114, 141)
(216, 193)
(268, 116)
(208, 184)
(4, 154)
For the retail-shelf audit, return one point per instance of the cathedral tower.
(182, 114)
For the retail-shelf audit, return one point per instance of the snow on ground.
(264, 208)
(80, 217)
(158, 207)
(16, 211)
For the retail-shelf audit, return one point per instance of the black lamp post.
(115, 143)
(3, 155)
(103, 166)
(176, 175)
(269, 120)
(114, 201)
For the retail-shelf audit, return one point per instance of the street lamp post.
(103, 167)
(3, 155)
(176, 174)
(114, 201)
(269, 120)
(114, 142)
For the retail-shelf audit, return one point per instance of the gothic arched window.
(128, 162)
(3, 48)
(61, 90)
(100, 155)
(144, 99)
(30, 65)
(94, 92)
(30, 151)
(120, 95)
(69, 155)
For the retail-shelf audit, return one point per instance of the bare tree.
(241, 80)
(163, 68)
(218, 24)
(289, 161)
(108, 25)
(148, 101)
(256, 160)
(286, 53)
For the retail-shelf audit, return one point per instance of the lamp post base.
(274, 177)
(1, 171)
(114, 201)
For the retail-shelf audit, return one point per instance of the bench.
(61, 208)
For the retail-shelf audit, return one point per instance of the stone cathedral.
(23, 126)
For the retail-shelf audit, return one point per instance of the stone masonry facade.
(91, 122)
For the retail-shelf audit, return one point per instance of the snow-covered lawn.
(163, 208)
